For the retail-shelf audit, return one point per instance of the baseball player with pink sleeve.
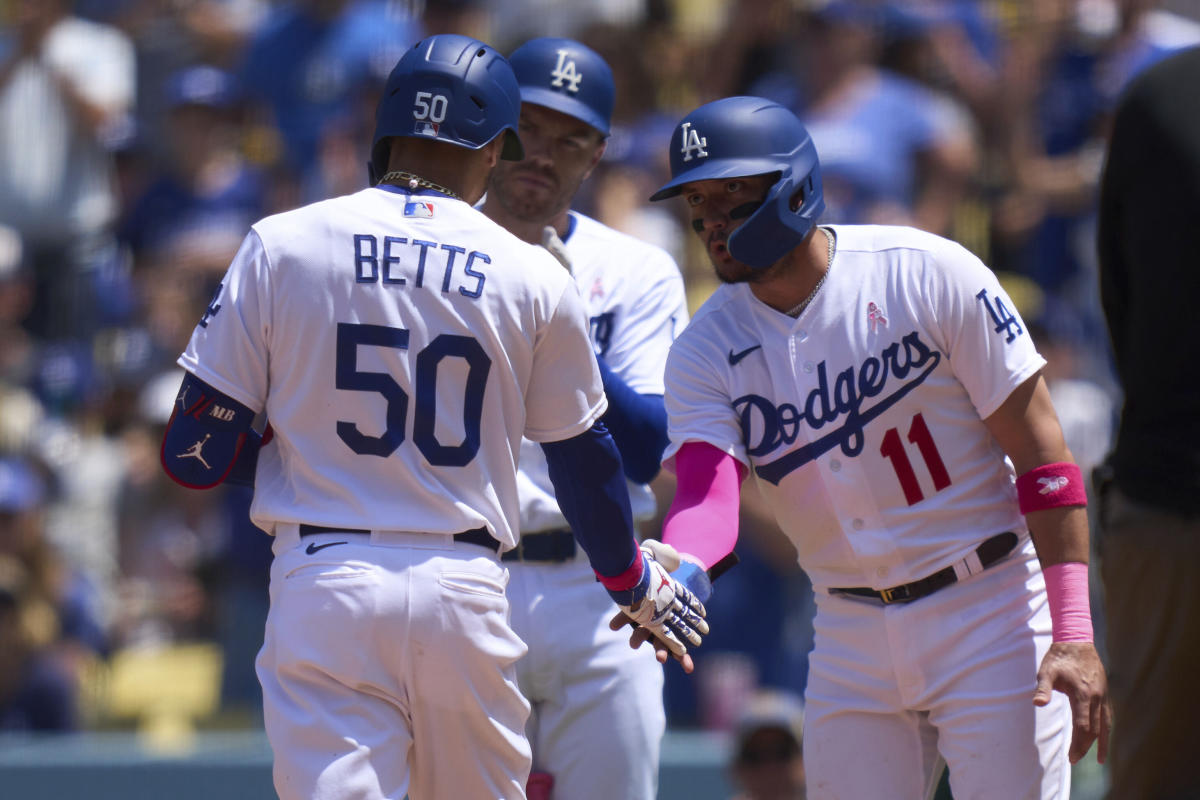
(401, 344)
(881, 387)
(597, 718)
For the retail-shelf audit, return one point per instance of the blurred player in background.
(875, 378)
(597, 718)
(401, 344)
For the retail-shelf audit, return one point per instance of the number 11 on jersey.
(893, 450)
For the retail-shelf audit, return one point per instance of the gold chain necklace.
(416, 182)
(795, 312)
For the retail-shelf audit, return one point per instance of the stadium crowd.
(139, 139)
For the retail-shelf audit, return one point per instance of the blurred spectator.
(1149, 537)
(953, 45)
(170, 537)
(16, 303)
(892, 151)
(1066, 61)
(66, 86)
(768, 749)
(187, 224)
(307, 60)
(37, 694)
(55, 629)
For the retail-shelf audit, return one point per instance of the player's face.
(560, 152)
(717, 208)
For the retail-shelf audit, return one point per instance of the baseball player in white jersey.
(883, 390)
(401, 344)
(597, 717)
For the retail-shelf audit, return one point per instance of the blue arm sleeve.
(638, 423)
(205, 436)
(590, 487)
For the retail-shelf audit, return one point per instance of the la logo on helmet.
(693, 143)
(565, 72)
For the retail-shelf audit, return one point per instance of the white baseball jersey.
(636, 306)
(582, 679)
(862, 419)
(396, 335)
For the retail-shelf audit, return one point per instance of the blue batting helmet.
(451, 88)
(566, 76)
(741, 136)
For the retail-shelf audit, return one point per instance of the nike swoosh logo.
(314, 547)
(736, 357)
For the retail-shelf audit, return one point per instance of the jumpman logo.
(194, 451)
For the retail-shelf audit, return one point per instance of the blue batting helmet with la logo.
(741, 136)
(565, 76)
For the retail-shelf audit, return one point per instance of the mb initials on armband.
(1051, 486)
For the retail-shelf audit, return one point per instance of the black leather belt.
(479, 536)
(546, 546)
(989, 553)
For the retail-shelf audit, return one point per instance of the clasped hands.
(664, 608)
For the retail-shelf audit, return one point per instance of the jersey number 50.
(349, 377)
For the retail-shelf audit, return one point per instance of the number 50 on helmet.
(737, 137)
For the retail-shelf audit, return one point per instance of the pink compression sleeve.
(703, 519)
(1070, 609)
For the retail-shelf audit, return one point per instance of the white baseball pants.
(388, 668)
(891, 687)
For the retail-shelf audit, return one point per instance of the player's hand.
(1074, 668)
(640, 636)
(664, 607)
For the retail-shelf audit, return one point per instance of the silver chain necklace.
(416, 182)
(829, 237)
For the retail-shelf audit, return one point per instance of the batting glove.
(663, 606)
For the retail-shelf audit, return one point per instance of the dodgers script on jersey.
(393, 393)
(862, 418)
(636, 306)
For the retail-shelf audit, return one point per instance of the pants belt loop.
(287, 536)
(971, 565)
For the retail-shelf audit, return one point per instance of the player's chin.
(729, 270)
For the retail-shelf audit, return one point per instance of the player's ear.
(493, 150)
(599, 154)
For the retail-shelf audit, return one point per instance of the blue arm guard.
(694, 578)
(205, 436)
(638, 423)
(590, 487)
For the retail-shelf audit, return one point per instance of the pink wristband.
(1067, 592)
(1051, 486)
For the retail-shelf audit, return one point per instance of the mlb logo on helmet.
(426, 128)
(419, 208)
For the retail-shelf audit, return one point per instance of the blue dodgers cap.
(21, 488)
(200, 86)
(566, 76)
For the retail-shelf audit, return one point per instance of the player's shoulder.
(900, 241)
(725, 317)
(324, 213)
(590, 236)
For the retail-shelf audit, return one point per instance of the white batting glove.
(557, 248)
(664, 607)
(663, 553)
